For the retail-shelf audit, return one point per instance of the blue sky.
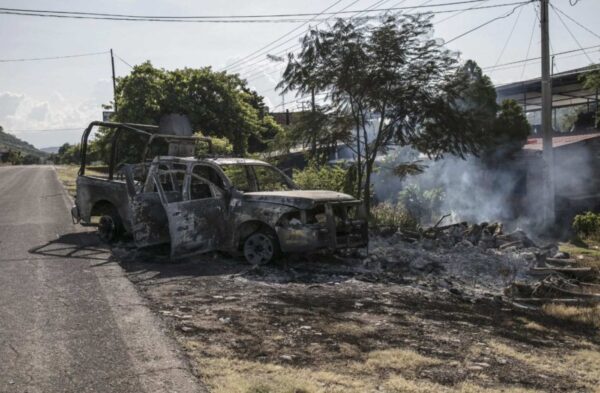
(68, 93)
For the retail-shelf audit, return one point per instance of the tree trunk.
(367, 186)
(358, 153)
(313, 125)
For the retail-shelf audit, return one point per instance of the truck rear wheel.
(110, 227)
(261, 247)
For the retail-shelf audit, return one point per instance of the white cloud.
(21, 113)
(9, 103)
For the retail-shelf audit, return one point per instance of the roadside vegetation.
(67, 175)
(19, 152)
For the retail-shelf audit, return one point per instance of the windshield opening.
(250, 178)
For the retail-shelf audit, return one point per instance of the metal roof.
(567, 90)
(558, 141)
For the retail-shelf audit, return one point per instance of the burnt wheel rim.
(259, 249)
(106, 228)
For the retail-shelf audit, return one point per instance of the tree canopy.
(218, 104)
(399, 86)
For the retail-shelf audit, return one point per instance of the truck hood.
(302, 199)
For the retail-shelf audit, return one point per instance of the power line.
(457, 14)
(529, 63)
(421, 5)
(572, 35)
(278, 39)
(575, 21)
(293, 47)
(538, 58)
(53, 57)
(509, 13)
(45, 130)
(292, 39)
(131, 17)
(509, 36)
(530, 42)
(120, 58)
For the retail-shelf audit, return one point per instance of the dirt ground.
(323, 324)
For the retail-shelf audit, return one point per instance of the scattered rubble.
(482, 260)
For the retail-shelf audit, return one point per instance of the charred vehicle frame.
(201, 204)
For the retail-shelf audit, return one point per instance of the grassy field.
(67, 174)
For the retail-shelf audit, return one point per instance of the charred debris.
(482, 260)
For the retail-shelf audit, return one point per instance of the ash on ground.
(476, 260)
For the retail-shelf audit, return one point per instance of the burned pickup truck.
(209, 203)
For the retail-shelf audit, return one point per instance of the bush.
(313, 177)
(220, 146)
(422, 205)
(387, 217)
(587, 225)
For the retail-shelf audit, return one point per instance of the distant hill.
(50, 150)
(11, 142)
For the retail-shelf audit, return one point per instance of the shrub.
(587, 224)
(389, 217)
(220, 146)
(313, 177)
(422, 205)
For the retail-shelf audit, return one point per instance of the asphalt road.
(69, 319)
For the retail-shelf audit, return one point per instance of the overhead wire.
(457, 14)
(575, 21)
(53, 57)
(488, 68)
(509, 36)
(571, 34)
(509, 13)
(295, 45)
(123, 61)
(202, 18)
(278, 39)
(530, 42)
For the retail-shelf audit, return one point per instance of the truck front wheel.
(261, 247)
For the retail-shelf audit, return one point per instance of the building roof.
(558, 141)
(567, 90)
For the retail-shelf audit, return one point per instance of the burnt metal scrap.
(204, 204)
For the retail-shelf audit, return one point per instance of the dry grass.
(587, 315)
(585, 364)
(585, 256)
(387, 371)
(67, 174)
(350, 328)
(398, 384)
(396, 359)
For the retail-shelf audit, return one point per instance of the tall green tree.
(397, 84)
(217, 103)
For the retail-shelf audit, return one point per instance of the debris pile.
(480, 259)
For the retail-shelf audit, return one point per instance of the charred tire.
(110, 226)
(261, 247)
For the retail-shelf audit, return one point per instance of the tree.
(15, 157)
(591, 80)
(511, 128)
(397, 84)
(218, 103)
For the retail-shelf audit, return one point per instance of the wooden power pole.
(548, 153)
(114, 80)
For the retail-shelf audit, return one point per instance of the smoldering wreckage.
(250, 208)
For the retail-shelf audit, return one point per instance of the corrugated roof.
(558, 141)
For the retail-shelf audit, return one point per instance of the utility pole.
(548, 153)
(114, 79)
